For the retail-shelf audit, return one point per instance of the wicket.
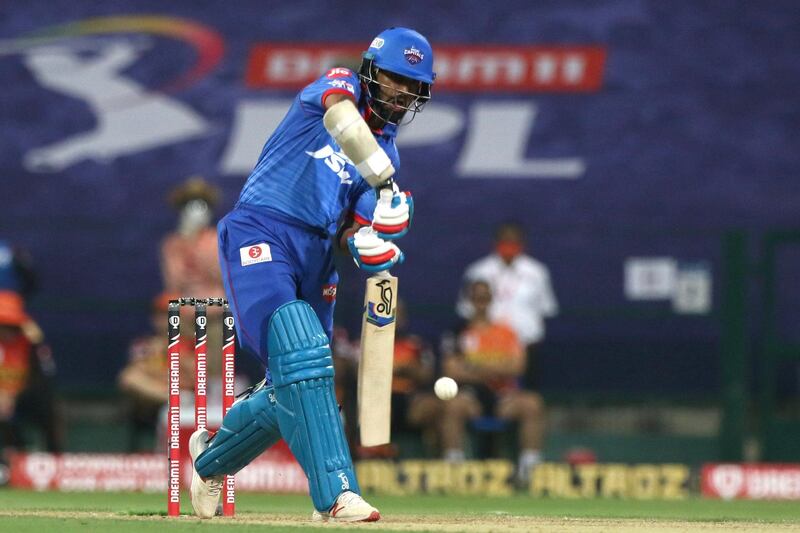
(200, 399)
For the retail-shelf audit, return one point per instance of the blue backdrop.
(691, 130)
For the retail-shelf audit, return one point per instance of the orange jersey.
(491, 345)
(15, 364)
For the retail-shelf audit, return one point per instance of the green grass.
(127, 507)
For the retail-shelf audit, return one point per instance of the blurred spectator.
(523, 295)
(345, 360)
(189, 253)
(144, 377)
(145, 384)
(27, 374)
(189, 259)
(486, 359)
(414, 406)
(16, 271)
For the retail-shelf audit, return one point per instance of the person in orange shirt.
(189, 262)
(414, 407)
(487, 360)
(189, 257)
(143, 380)
(26, 377)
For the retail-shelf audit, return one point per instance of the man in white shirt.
(523, 295)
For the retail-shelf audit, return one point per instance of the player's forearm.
(139, 384)
(346, 125)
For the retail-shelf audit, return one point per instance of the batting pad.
(249, 428)
(302, 372)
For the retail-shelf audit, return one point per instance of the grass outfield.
(46, 512)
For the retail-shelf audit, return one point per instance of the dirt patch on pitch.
(560, 525)
(483, 524)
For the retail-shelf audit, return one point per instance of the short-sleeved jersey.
(494, 344)
(302, 172)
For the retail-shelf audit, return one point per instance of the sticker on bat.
(382, 313)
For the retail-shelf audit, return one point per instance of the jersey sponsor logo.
(336, 161)
(339, 72)
(256, 253)
(329, 293)
(413, 55)
(342, 84)
(377, 42)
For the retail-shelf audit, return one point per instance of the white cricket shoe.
(205, 493)
(349, 507)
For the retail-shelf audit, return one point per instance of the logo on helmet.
(413, 55)
(377, 42)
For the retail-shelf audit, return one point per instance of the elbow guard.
(345, 124)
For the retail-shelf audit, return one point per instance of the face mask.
(508, 250)
(194, 216)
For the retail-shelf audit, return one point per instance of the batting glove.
(372, 253)
(393, 213)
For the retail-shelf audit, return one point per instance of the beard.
(387, 114)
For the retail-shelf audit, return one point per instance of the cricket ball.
(445, 388)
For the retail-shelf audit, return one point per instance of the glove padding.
(372, 253)
(393, 213)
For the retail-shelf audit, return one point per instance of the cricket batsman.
(324, 178)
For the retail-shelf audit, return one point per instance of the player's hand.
(371, 252)
(393, 213)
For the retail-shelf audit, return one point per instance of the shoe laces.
(214, 485)
(349, 497)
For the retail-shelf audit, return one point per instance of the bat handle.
(383, 274)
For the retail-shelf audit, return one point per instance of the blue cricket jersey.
(303, 174)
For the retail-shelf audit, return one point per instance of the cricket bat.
(377, 358)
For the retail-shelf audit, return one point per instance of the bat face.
(377, 356)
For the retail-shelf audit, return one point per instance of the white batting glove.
(371, 252)
(393, 213)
